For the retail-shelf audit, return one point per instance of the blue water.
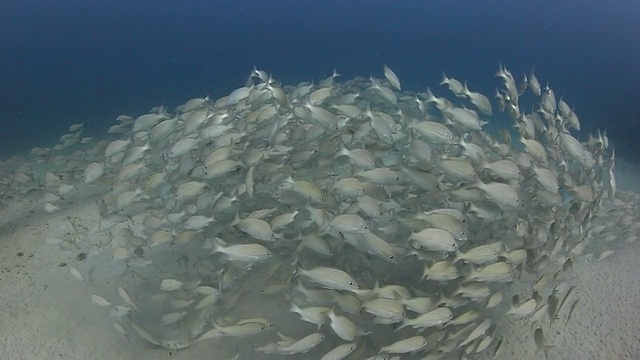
(69, 61)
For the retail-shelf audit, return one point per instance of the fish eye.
(350, 282)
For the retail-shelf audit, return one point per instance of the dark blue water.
(70, 61)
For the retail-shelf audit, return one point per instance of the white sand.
(47, 313)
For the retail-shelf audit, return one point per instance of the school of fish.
(341, 219)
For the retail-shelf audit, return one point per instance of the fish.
(534, 84)
(100, 301)
(524, 310)
(552, 307)
(76, 274)
(478, 331)
(515, 257)
(183, 146)
(221, 168)
(256, 228)
(319, 96)
(379, 247)
(246, 253)
(162, 130)
(93, 172)
(541, 343)
(480, 101)
(381, 126)
(562, 302)
(547, 179)
(300, 346)
(380, 176)
(126, 298)
(307, 189)
(497, 272)
(348, 223)
(571, 310)
(404, 346)
(475, 291)
(440, 271)
(329, 278)
(388, 309)
(467, 118)
(144, 334)
(458, 169)
(448, 222)
(494, 300)
(479, 255)
(172, 318)
(484, 344)
(189, 190)
(315, 243)
(198, 222)
(465, 318)
(505, 169)
(313, 314)
(121, 330)
(238, 95)
(246, 327)
(147, 121)
(283, 220)
(437, 317)
(392, 77)
(361, 158)
(435, 133)
(170, 285)
(454, 85)
(502, 194)
(206, 290)
(419, 305)
(342, 326)
(340, 351)
(174, 344)
(386, 93)
(434, 239)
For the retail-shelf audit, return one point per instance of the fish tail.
(445, 79)
(236, 220)
(404, 325)
(459, 256)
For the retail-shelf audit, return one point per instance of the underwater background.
(134, 154)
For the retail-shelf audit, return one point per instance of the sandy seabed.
(47, 313)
